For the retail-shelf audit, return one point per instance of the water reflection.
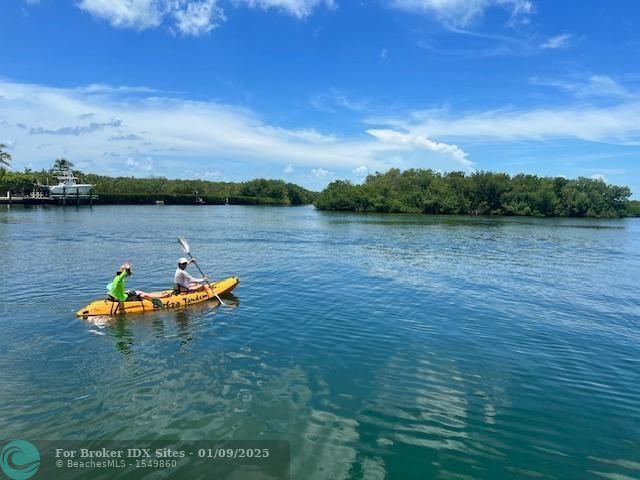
(122, 335)
(184, 331)
(159, 325)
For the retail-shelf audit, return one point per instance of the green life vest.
(117, 288)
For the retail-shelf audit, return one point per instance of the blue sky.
(316, 90)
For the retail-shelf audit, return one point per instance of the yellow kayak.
(109, 307)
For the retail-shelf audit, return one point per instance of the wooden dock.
(38, 198)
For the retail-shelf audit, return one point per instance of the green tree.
(61, 164)
(339, 195)
(17, 182)
(5, 157)
(486, 193)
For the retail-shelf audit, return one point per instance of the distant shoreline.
(410, 191)
(142, 199)
(633, 211)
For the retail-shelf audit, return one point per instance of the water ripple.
(380, 346)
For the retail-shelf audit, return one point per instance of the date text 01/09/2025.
(104, 453)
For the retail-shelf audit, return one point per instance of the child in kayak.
(185, 283)
(118, 292)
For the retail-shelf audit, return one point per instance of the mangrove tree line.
(482, 193)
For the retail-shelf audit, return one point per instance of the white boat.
(67, 185)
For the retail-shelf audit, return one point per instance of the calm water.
(394, 347)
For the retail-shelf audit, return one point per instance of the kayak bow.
(109, 307)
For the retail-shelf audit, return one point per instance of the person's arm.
(195, 280)
(119, 280)
(117, 287)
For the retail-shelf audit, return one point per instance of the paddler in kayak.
(118, 292)
(185, 283)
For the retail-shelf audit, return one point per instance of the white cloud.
(599, 176)
(198, 18)
(616, 124)
(321, 173)
(288, 168)
(100, 130)
(186, 17)
(98, 88)
(384, 53)
(140, 14)
(144, 165)
(297, 8)
(361, 171)
(32, 2)
(310, 135)
(463, 12)
(559, 41)
(191, 17)
(422, 142)
(593, 86)
(335, 99)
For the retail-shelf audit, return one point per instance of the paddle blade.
(183, 243)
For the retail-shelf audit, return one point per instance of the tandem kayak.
(109, 307)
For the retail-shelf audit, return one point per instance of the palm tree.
(62, 164)
(5, 157)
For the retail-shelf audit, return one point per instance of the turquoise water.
(380, 346)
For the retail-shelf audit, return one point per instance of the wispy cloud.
(336, 99)
(101, 88)
(616, 124)
(458, 16)
(463, 12)
(591, 86)
(120, 138)
(185, 17)
(297, 8)
(482, 44)
(181, 133)
(308, 135)
(74, 130)
(559, 41)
